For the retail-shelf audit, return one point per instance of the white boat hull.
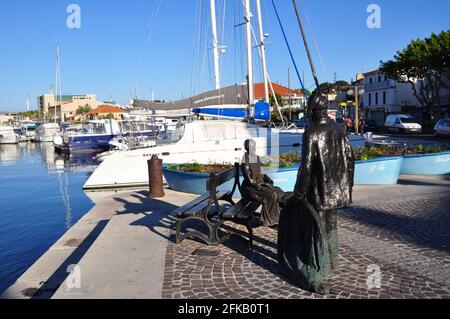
(9, 139)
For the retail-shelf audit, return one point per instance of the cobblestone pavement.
(409, 242)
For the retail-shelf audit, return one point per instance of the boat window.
(94, 128)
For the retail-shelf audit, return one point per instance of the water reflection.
(68, 163)
(9, 154)
(42, 197)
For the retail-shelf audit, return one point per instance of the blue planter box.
(380, 171)
(192, 183)
(428, 164)
(284, 178)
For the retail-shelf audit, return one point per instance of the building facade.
(294, 99)
(384, 96)
(67, 106)
(107, 111)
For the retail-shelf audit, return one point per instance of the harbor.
(125, 249)
(219, 158)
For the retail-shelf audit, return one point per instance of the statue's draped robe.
(258, 187)
(308, 247)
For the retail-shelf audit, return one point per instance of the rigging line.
(305, 42)
(151, 25)
(194, 42)
(289, 48)
(269, 80)
(322, 64)
(205, 38)
(199, 48)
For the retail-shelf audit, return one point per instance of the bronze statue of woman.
(308, 246)
(258, 187)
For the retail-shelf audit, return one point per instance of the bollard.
(155, 174)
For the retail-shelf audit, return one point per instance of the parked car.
(402, 124)
(442, 128)
(370, 126)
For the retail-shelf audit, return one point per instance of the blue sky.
(110, 54)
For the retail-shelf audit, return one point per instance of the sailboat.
(219, 141)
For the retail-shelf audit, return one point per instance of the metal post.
(356, 110)
(155, 174)
(215, 44)
(263, 51)
(251, 92)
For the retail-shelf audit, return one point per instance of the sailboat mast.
(251, 92)
(58, 81)
(308, 51)
(215, 44)
(263, 51)
(28, 103)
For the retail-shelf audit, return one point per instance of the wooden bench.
(207, 210)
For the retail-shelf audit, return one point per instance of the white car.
(442, 128)
(402, 124)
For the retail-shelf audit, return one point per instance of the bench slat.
(241, 210)
(190, 205)
(200, 206)
(220, 179)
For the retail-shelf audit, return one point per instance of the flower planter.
(379, 171)
(284, 178)
(426, 164)
(191, 183)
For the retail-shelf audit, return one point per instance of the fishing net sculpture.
(308, 245)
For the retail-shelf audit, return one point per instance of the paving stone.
(409, 241)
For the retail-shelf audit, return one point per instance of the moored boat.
(93, 137)
(46, 132)
(8, 135)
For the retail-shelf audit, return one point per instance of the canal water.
(41, 197)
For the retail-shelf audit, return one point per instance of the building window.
(370, 99)
(384, 97)
(385, 77)
(376, 98)
(379, 78)
(370, 80)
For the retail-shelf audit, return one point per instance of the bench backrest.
(215, 180)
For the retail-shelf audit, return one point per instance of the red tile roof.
(106, 109)
(282, 90)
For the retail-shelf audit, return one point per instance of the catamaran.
(220, 140)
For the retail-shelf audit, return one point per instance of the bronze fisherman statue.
(308, 246)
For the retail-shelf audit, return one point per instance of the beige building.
(69, 104)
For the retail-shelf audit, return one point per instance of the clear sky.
(165, 44)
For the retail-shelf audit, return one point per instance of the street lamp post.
(358, 91)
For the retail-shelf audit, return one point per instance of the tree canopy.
(424, 63)
(82, 110)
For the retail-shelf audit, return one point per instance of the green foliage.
(33, 114)
(422, 149)
(283, 161)
(369, 153)
(200, 168)
(83, 110)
